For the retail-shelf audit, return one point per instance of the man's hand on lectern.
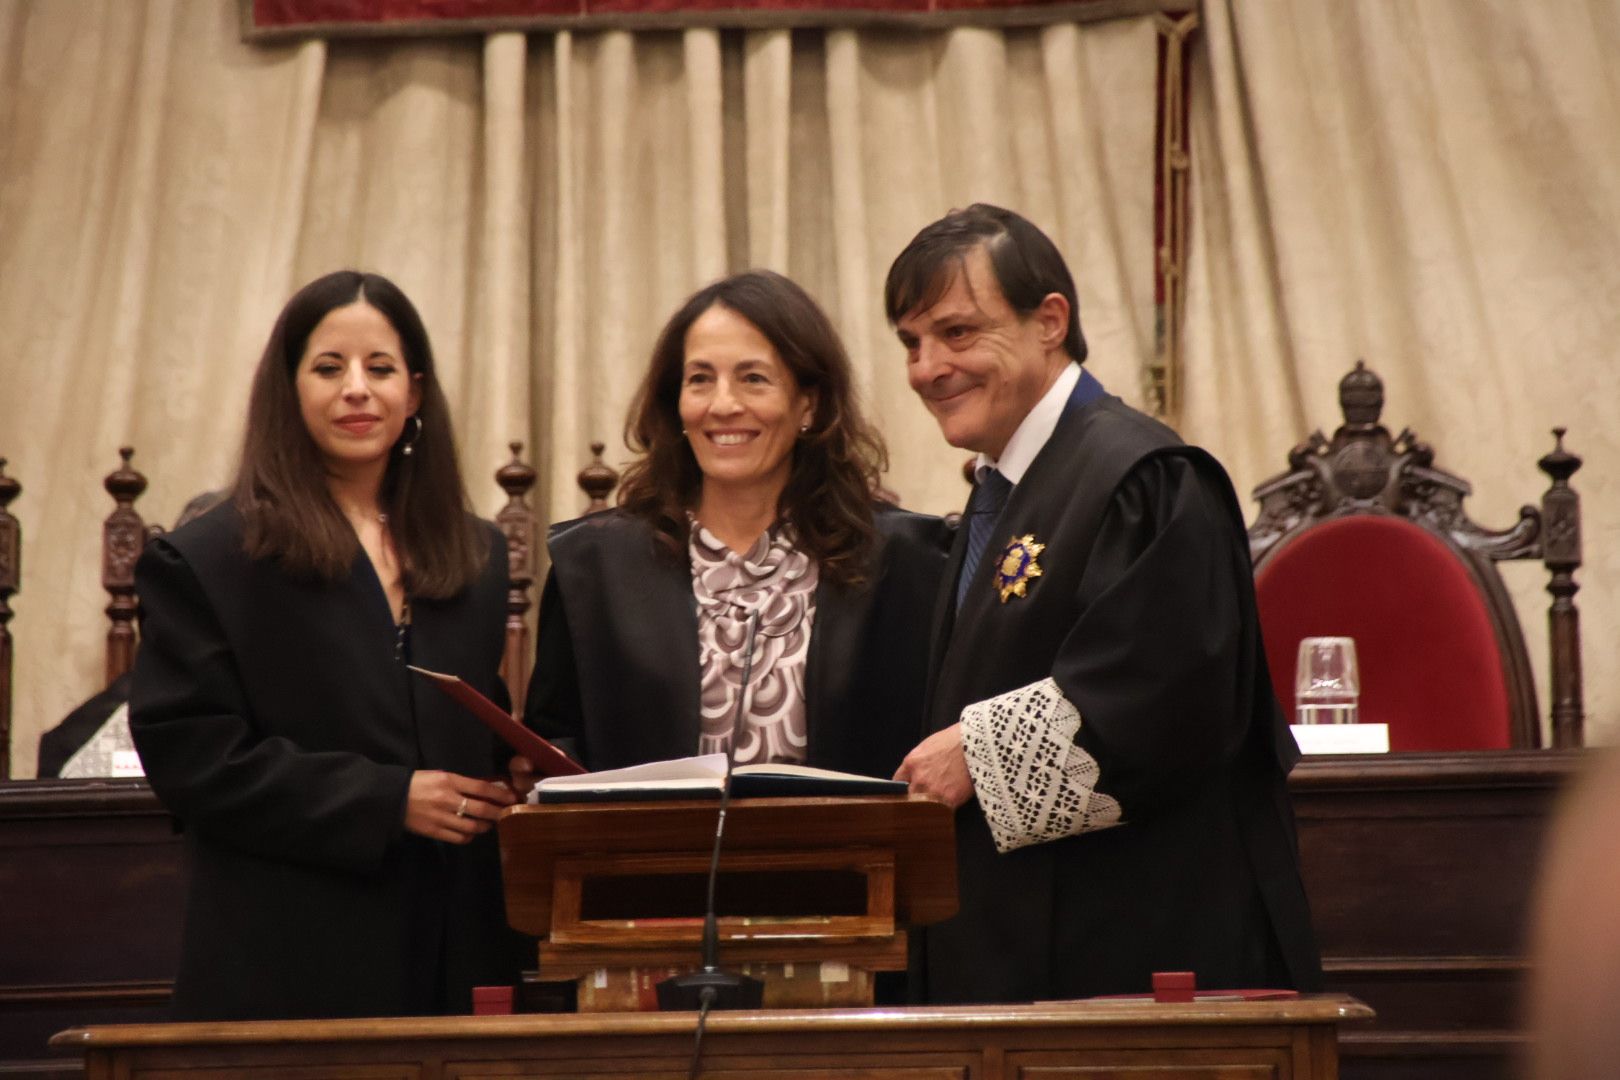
(937, 767)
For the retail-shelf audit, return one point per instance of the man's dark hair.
(1026, 263)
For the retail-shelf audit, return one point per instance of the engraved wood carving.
(10, 579)
(123, 536)
(516, 521)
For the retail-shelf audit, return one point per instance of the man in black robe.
(1099, 705)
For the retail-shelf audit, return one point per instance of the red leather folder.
(546, 759)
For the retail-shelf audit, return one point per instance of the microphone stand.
(709, 987)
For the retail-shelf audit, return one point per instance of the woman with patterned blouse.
(752, 493)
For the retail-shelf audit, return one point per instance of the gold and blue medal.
(1017, 566)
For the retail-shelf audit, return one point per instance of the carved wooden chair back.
(516, 519)
(1365, 536)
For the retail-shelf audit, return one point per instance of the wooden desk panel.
(1293, 1040)
(92, 893)
(1420, 869)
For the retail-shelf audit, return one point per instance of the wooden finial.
(515, 477)
(10, 543)
(597, 480)
(9, 488)
(1559, 463)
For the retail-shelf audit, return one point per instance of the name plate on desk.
(1341, 738)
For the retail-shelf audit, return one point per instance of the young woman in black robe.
(336, 809)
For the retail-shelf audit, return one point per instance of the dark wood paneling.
(92, 881)
(1420, 869)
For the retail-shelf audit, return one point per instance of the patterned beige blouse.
(780, 583)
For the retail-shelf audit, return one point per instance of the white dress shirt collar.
(1036, 428)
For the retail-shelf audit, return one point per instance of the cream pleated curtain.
(662, 161)
(1433, 186)
(546, 200)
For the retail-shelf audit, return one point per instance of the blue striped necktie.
(984, 508)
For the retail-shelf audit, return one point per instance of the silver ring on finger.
(461, 811)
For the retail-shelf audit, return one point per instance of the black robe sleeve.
(233, 784)
(1155, 662)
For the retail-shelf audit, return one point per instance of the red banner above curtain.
(268, 19)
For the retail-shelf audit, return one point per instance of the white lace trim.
(1032, 781)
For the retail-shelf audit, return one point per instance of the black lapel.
(833, 659)
(669, 602)
(644, 612)
(944, 618)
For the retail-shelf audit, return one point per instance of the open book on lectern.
(702, 777)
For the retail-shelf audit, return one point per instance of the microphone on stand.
(709, 987)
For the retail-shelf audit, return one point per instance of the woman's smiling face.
(354, 389)
(740, 404)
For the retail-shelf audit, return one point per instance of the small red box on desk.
(1181, 987)
(492, 1000)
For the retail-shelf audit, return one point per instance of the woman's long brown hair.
(827, 503)
(280, 485)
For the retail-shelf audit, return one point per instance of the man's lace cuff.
(1032, 781)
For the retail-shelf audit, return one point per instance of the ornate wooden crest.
(1362, 470)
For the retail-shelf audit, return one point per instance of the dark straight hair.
(827, 503)
(1027, 265)
(280, 487)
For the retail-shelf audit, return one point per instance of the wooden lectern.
(814, 894)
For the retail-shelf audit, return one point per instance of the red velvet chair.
(1364, 537)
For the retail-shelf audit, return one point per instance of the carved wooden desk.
(1250, 1040)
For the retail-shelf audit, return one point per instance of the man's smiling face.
(978, 365)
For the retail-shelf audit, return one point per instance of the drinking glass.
(1327, 683)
